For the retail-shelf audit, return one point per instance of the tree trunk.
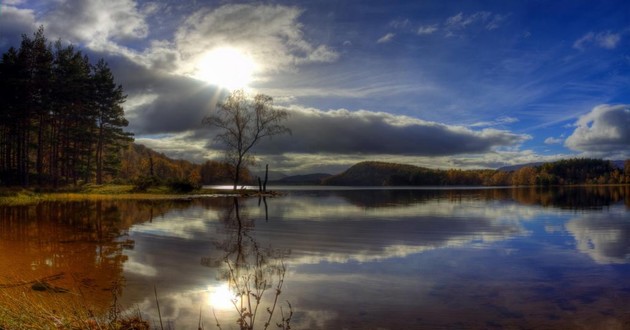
(237, 173)
(40, 152)
(99, 156)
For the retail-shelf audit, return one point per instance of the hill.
(384, 174)
(562, 172)
(304, 179)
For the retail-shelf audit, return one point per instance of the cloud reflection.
(603, 237)
(348, 247)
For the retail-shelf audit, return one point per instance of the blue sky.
(432, 83)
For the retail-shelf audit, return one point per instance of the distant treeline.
(61, 117)
(563, 172)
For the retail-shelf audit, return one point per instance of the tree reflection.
(564, 197)
(65, 253)
(254, 274)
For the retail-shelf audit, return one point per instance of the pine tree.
(110, 120)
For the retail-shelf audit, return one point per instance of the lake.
(337, 259)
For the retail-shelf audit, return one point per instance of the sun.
(221, 297)
(227, 67)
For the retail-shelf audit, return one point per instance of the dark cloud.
(366, 132)
(605, 129)
(172, 103)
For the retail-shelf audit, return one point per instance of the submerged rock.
(45, 286)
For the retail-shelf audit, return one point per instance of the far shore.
(34, 195)
(25, 196)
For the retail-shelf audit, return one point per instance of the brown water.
(355, 259)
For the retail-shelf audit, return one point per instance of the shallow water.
(355, 259)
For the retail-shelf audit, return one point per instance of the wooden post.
(266, 176)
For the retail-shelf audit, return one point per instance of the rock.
(44, 286)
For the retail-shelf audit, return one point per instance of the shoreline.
(29, 196)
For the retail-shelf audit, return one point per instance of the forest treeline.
(563, 172)
(62, 123)
(61, 117)
(140, 163)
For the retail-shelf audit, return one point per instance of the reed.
(21, 308)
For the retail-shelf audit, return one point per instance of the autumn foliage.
(563, 172)
(141, 163)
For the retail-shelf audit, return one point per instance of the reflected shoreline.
(413, 249)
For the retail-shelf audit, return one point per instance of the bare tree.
(243, 122)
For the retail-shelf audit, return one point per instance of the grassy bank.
(25, 196)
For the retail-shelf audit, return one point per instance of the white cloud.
(497, 122)
(553, 140)
(496, 21)
(585, 39)
(480, 19)
(96, 22)
(605, 129)
(427, 29)
(400, 23)
(13, 22)
(461, 21)
(270, 34)
(386, 38)
(607, 40)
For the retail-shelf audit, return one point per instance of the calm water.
(354, 259)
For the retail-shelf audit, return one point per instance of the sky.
(441, 84)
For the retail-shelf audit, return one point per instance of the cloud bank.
(606, 129)
(367, 132)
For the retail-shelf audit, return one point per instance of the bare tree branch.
(243, 121)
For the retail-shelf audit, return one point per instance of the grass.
(23, 308)
(24, 196)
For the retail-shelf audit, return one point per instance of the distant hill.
(305, 179)
(561, 172)
(384, 174)
(271, 176)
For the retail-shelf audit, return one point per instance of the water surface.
(345, 258)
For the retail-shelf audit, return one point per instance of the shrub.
(145, 182)
(182, 186)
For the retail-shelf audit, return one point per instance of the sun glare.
(220, 297)
(226, 67)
